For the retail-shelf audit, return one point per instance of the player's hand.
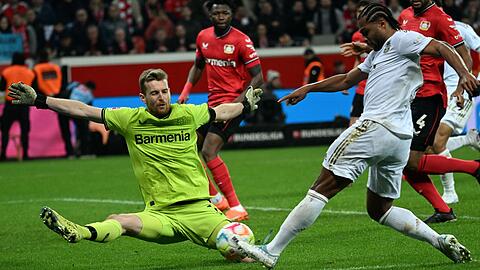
(353, 49)
(183, 98)
(253, 96)
(469, 83)
(22, 94)
(296, 96)
(458, 96)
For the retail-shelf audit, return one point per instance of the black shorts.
(222, 129)
(426, 115)
(357, 106)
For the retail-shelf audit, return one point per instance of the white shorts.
(455, 117)
(367, 143)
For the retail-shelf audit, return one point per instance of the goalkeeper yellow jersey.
(163, 151)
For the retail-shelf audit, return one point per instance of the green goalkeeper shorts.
(198, 221)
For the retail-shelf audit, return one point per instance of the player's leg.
(24, 119)
(384, 185)
(200, 222)
(426, 114)
(215, 139)
(472, 138)
(64, 124)
(105, 231)
(356, 109)
(444, 132)
(457, 118)
(217, 198)
(340, 167)
(8, 118)
(405, 222)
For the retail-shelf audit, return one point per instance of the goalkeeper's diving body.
(161, 141)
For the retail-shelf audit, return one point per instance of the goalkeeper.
(161, 141)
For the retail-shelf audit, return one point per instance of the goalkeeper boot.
(236, 214)
(258, 253)
(64, 227)
(450, 246)
(222, 205)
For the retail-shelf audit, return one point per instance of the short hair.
(209, 4)
(151, 75)
(374, 11)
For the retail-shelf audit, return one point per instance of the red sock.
(436, 164)
(222, 178)
(211, 187)
(423, 185)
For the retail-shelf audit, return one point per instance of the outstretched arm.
(467, 81)
(333, 84)
(25, 95)
(227, 111)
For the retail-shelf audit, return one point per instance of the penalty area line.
(132, 202)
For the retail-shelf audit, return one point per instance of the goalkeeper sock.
(404, 221)
(301, 217)
(105, 231)
(224, 182)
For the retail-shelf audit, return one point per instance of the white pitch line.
(129, 202)
(401, 266)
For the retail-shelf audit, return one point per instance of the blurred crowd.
(103, 27)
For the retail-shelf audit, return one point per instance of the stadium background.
(116, 75)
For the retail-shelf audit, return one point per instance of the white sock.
(217, 198)
(447, 179)
(238, 208)
(404, 221)
(300, 218)
(454, 143)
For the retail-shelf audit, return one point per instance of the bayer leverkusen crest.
(424, 25)
(228, 49)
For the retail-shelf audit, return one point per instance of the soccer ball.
(225, 242)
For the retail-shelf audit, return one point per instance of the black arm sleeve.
(213, 115)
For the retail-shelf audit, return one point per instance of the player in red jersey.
(229, 57)
(357, 103)
(428, 107)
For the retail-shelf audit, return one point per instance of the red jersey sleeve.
(447, 30)
(248, 54)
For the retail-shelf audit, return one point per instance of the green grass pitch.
(269, 183)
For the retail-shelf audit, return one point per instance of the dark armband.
(246, 107)
(41, 102)
(213, 115)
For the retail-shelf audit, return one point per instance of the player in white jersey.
(455, 118)
(380, 139)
